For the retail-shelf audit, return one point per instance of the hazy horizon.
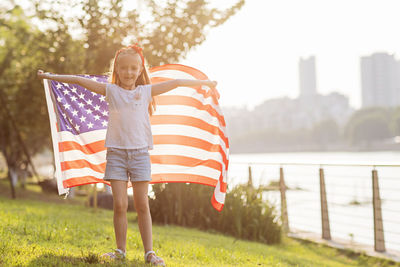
(337, 33)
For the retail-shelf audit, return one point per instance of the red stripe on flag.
(192, 71)
(222, 185)
(156, 178)
(83, 180)
(88, 149)
(185, 161)
(81, 163)
(182, 178)
(217, 205)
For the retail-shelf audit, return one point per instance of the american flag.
(189, 133)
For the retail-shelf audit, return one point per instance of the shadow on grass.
(34, 192)
(344, 255)
(90, 259)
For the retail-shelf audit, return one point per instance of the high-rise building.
(308, 80)
(380, 80)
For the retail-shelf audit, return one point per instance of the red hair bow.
(134, 47)
(138, 50)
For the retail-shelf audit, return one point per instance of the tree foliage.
(246, 214)
(180, 26)
(24, 119)
(368, 125)
(325, 132)
(395, 124)
(171, 30)
(103, 27)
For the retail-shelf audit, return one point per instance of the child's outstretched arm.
(89, 84)
(163, 87)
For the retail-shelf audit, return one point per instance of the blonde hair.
(141, 80)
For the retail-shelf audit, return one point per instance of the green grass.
(42, 230)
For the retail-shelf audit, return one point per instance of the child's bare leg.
(140, 191)
(120, 202)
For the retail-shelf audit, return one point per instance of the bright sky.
(254, 56)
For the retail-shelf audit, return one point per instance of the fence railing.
(358, 200)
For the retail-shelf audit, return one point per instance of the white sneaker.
(118, 254)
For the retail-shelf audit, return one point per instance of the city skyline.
(307, 77)
(380, 74)
(261, 46)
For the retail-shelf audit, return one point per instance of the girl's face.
(129, 67)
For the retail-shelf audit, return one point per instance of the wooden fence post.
(326, 229)
(250, 180)
(284, 213)
(379, 239)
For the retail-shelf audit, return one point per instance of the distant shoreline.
(312, 151)
(317, 148)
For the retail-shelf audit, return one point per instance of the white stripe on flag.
(177, 129)
(186, 151)
(83, 138)
(197, 170)
(53, 128)
(96, 158)
(219, 196)
(73, 173)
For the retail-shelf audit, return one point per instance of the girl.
(128, 139)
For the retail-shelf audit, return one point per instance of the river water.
(349, 190)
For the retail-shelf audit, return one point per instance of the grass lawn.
(43, 230)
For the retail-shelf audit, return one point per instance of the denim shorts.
(125, 164)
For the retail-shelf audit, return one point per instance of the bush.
(245, 215)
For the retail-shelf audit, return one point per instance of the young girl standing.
(128, 139)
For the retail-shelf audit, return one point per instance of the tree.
(325, 132)
(395, 124)
(168, 35)
(24, 119)
(172, 31)
(368, 125)
(17, 36)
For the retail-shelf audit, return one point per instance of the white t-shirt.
(128, 120)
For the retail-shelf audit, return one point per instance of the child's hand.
(211, 84)
(42, 75)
